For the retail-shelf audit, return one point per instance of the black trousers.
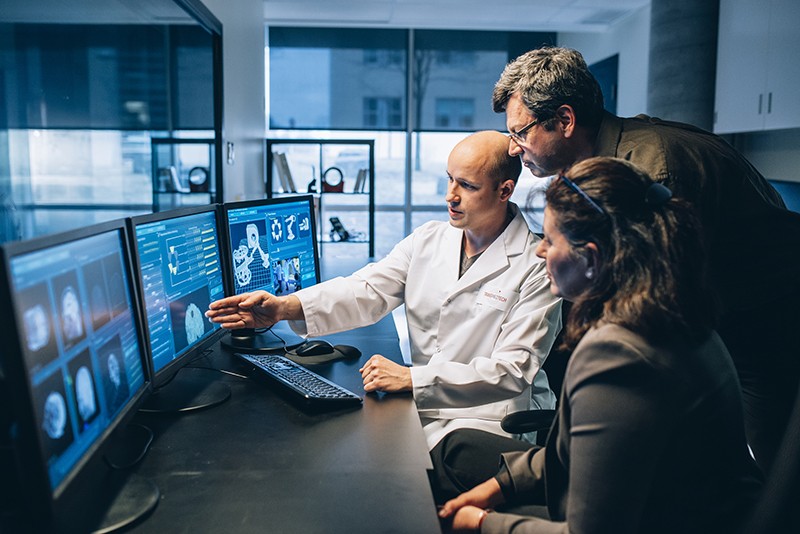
(465, 458)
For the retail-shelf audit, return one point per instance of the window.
(374, 57)
(347, 82)
(382, 113)
(455, 112)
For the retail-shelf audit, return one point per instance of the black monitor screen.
(179, 275)
(76, 323)
(273, 244)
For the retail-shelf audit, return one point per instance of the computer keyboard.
(307, 384)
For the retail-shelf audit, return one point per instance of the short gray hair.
(549, 77)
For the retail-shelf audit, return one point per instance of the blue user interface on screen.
(273, 247)
(80, 342)
(180, 276)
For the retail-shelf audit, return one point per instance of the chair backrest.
(556, 363)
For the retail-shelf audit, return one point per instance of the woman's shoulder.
(607, 347)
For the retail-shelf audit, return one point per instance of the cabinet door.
(742, 49)
(783, 66)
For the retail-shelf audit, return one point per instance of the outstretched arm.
(258, 309)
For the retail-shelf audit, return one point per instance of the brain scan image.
(114, 380)
(37, 328)
(52, 414)
(55, 415)
(84, 390)
(115, 283)
(71, 314)
(39, 331)
(195, 328)
(113, 370)
(84, 393)
(189, 324)
(100, 310)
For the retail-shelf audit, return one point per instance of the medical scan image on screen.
(272, 247)
(60, 296)
(181, 275)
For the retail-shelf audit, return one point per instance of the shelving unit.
(339, 172)
(183, 173)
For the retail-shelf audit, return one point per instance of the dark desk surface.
(261, 463)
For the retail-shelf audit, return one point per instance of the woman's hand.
(468, 508)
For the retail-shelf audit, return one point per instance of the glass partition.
(85, 88)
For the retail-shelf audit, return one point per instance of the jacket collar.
(608, 136)
(495, 258)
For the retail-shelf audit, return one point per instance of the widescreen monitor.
(73, 365)
(272, 246)
(179, 273)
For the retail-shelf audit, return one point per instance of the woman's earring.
(589, 273)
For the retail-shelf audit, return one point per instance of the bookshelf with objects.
(183, 173)
(340, 173)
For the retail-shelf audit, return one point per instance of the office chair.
(555, 365)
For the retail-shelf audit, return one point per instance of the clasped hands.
(468, 510)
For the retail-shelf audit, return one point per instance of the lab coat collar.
(495, 258)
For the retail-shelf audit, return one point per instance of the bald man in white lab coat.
(481, 318)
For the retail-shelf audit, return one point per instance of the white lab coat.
(477, 343)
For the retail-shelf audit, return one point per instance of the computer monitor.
(179, 273)
(272, 246)
(72, 373)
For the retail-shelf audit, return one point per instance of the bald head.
(487, 150)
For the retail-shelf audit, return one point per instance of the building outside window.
(382, 113)
(331, 83)
(455, 112)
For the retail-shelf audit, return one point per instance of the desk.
(260, 463)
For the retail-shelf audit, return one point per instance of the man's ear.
(507, 189)
(565, 115)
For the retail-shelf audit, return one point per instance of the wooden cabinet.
(341, 172)
(758, 68)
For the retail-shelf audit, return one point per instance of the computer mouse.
(315, 347)
(348, 351)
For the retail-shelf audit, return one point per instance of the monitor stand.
(128, 445)
(189, 390)
(135, 501)
(279, 338)
(118, 498)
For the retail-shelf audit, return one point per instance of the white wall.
(629, 38)
(243, 94)
(776, 154)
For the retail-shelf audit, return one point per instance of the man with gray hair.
(555, 118)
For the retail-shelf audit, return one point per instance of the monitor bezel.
(14, 374)
(257, 203)
(164, 375)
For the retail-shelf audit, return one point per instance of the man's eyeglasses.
(572, 185)
(519, 135)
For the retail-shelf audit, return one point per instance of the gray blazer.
(648, 439)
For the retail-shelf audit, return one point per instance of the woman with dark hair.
(649, 435)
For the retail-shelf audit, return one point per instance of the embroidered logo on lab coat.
(499, 299)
